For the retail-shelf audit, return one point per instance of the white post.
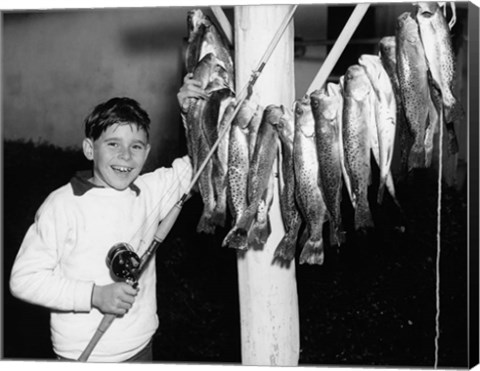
(268, 292)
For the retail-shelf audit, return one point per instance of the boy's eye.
(137, 147)
(112, 144)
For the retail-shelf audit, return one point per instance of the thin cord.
(439, 218)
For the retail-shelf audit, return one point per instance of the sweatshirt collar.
(81, 184)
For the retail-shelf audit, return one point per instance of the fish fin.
(205, 224)
(363, 218)
(416, 159)
(219, 215)
(337, 234)
(312, 252)
(258, 235)
(285, 249)
(236, 239)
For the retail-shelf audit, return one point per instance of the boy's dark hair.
(116, 111)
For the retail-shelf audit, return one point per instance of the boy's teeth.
(122, 169)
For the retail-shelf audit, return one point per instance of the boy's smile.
(118, 155)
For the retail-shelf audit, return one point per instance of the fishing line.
(439, 219)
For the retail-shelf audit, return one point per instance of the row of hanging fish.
(208, 58)
(325, 143)
(421, 64)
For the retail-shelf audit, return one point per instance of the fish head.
(324, 104)
(286, 126)
(387, 47)
(315, 99)
(195, 23)
(304, 117)
(220, 72)
(407, 28)
(244, 115)
(357, 84)
(372, 65)
(273, 114)
(334, 89)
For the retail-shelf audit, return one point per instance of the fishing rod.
(122, 260)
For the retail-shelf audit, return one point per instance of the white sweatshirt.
(64, 254)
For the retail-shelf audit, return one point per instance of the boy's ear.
(88, 148)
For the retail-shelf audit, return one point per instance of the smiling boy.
(61, 262)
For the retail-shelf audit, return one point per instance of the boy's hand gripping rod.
(120, 256)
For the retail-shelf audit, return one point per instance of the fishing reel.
(123, 262)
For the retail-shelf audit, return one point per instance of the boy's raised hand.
(116, 298)
(191, 88)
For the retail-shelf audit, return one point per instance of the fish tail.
(312, 252)
(236, 239)
(363, 218)
(337, 234)
(205, 224)
(285, 249)
(220, 213)
(287, 246)
(416, 158)
(258, 235)
(381, 191)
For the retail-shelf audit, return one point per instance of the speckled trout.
(199, 121)
(437, 43)
(291, 217)
(259, 177)
(308, 193)
(327, 106)
(412, 72)
(385, 114)
(237, 173)
(357, 141)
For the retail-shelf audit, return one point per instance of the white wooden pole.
(267, 291)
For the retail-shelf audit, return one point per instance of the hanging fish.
(308, 193)
(253, 127)
(291, 217)
(203, 39)
(237, 173)
(261, 228)
(437, 43)
(385, 113)
(259, 173)
(327, 105)
(196, 31)
(357, 142)
(388, 50)
(220, 161)
(200, 122)
(412, 72)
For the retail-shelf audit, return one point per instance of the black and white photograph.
(264, 184)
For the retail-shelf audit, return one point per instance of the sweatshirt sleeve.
(176, 181)
(36, 275)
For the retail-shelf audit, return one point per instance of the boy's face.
(118, 155)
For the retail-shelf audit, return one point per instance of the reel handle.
(124, 263)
